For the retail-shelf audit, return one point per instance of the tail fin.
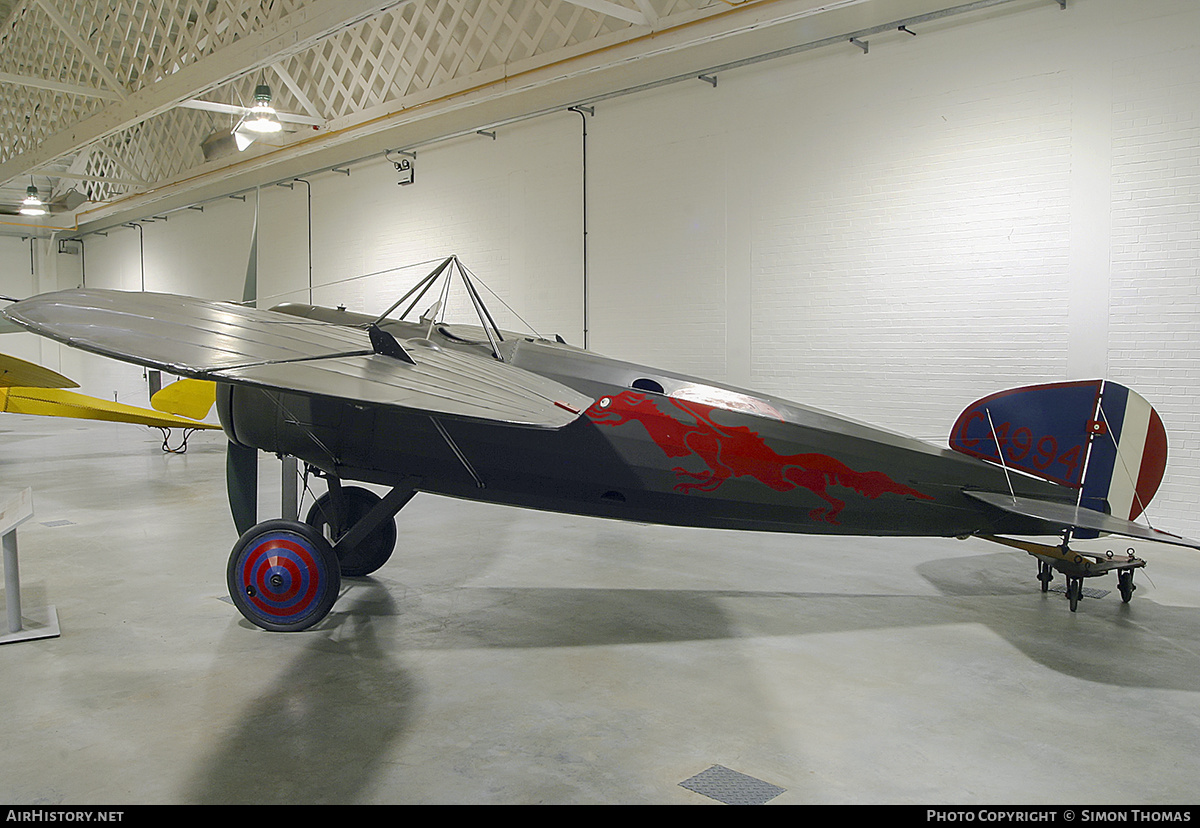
(1096, 436)
(192, 398)
(1128, 460)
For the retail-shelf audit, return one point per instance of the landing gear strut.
(284, 575)
(1045, 574)
(340, 511)
(1074, 591)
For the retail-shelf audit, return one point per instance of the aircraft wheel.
(374, 550)
(1074, 591)
(1125, 585)
(283, 575)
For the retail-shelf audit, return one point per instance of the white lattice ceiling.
(111, 107)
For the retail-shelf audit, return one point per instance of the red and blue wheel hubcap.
(282, 576)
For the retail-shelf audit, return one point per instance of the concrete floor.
(505, 656)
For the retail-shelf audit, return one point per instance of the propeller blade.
(241, 481)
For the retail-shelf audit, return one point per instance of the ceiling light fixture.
(33, 205)
(262, 117)
(242, 140)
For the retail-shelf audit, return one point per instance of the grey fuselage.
(654, 447)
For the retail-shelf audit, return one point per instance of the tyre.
(283, 575)
(1074, 591)
(374, 550)
(1126, 586)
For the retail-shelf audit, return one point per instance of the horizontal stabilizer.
(204, 339)
(1069, 516)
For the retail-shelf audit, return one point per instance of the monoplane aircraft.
(26, 388)
(483, 414)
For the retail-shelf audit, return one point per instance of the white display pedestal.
(32, 624)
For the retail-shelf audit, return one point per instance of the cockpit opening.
(646, 384)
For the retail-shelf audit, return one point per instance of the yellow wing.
(15, 371)
(55, 402)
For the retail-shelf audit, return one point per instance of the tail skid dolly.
(1076, 565)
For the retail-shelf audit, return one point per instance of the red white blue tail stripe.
(1093, 435)
(1129, 452)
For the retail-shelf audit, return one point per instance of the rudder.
(1093, 435)
(1128, 460)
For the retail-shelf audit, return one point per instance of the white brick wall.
(1154, 342)
(657, 237)
(891, 235)
(924, 224)
(905, 249)
(918, 256)
(17, 281)
(509, 208)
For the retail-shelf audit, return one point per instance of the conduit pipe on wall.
(308, 188)
(153, 378)
(584, 111)
(141, 251)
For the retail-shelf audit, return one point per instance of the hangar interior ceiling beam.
(57, 86)
(165, 55)
(77, 40)
(125, 108)
(634, 16)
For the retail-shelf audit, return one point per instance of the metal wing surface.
(230, 343)
(183, 335)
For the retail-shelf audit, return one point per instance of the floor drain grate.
(53, 523)
(1088, 592)
(732, 788)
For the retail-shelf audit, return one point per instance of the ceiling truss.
(128, 90)
(103, 101)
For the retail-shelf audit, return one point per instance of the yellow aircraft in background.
(26, 388)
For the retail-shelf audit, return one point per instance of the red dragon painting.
(688, 428)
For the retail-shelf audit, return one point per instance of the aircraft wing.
(55, 402)
(19, 373)
(1067, 515)
(217, 341)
